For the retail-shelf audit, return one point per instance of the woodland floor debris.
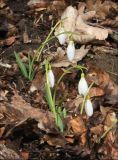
(27, 127)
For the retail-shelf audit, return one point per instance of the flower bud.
(89, 108)
(71, 51)
(82, 85)
(51, 78)
(62, 36)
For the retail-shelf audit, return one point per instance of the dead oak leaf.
(38, 82)
(101, 79)
(39, 5)
(44, 118)
(103, 9)
(69, 138)
(58, 141)
(97, 130)
(9, 41)
(88, 31)
(76, 22)
(77, 125)
(96, 92)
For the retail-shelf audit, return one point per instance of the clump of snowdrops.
(59, 112)
(82, 85)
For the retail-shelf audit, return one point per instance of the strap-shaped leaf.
(21, 65)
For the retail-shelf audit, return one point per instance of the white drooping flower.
(51, 78)
(89, 108)
(62, 36)
(71, 50)
(82, 85)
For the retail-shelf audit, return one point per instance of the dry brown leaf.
(37, 83)
(110, 119)
(8, 153)
(40, 5)
(79, 55)
(20, 111)
(108, 151)
(105, 110)
(102, 80)
(76, 23)
(98, 130)
(2, 4)
(26, 37)
(25, 154)
(77, 125)
(44, 118)
(103, 9)
(9, 41)
(69, 138)
(114, 153)
(57, 5)
(58, 141)
(12, 30)
(2, 129)
(111, 22)
(78, 100)
(88, 31)
(96, 92)
(83, 139)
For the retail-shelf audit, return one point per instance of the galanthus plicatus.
(62, 36)
(82, 85)
(88, 107)
(51, 78)
(71, 50)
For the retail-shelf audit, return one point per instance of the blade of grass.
(21, 65)
(31, 71)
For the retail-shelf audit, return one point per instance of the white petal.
(62, 37)
(71, 51)
(82, 86)
(51, 78)
(89, 108)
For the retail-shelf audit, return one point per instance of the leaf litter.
(24, 115)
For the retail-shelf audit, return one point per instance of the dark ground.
(27, 139)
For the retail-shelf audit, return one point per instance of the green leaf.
(21, 65)
(30, 69)
(60, 123)
(64, 113)
(49, 99)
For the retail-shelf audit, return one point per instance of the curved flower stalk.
(62, 36)
(51, 78)
(71, 51)
(82, 85)
(88, 107)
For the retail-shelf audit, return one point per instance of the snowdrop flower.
(51, 78)
(82, 85)
(89, 108)
(62, 36)
(71, 51)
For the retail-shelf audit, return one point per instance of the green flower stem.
(44, 43)
(51, 104)
(54, 95)
(65, 72)
(109, 128)
(40, 49)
